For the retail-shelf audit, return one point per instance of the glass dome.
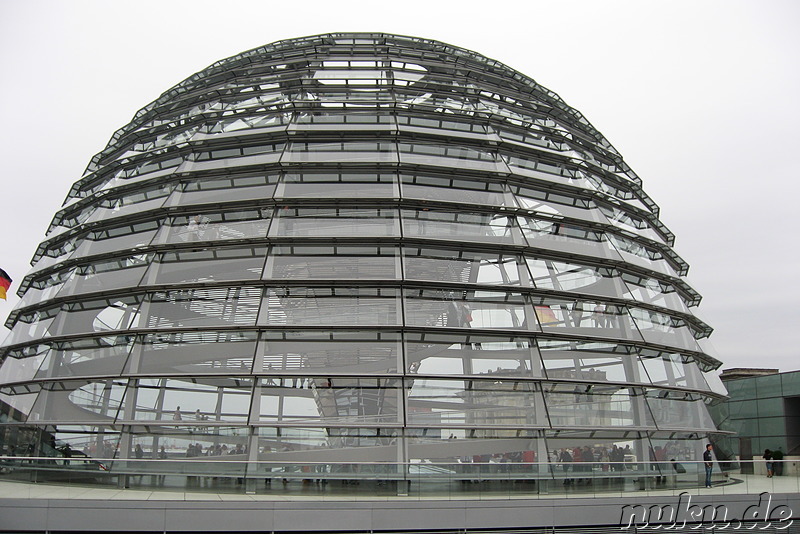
(364, 253)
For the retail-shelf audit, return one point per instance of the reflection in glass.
(203, 227)
(591, 361)
(455, 189)
(338, 306)
(594, 405)
(567, 276)
(194, 353)
(594, 318)
(337, 185)
(461, 266)
(207, 265)
(320, 222)
(479, 403)
(203, 307)
(460, 226)
(190, 403)
(467, 309)
(325, 262)
(330, 400)
(328, 351)
(435, 353)
(87, 357)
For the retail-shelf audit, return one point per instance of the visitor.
(768, 459)
(777, 462)
(708, 460)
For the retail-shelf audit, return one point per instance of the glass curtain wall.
(363, 253)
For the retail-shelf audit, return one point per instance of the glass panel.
(330, 306)
(345, 151)
(97, 316)
(471, 354)
(467, 309)
(246, 121)
(539, 170)
(107, 275)
(333, 263)
(651, 291)
(461, 226)
(591, 361)
(28, 329)
(670, 369)
(259, 154)
(455, 189)
(21, 366)
(770, 407)
(22, 403)
(714, 382)
(449, 151)
(79, 401)
(478, 403)
(437, 123)
(555, 204)
(44, 288)
(460, 266)
(564, 276)
(132, 203)
(585, 317)
(674, 409)
(331, 400)
(216, 226)
(679, 447)
(87, 441)
(477, 454)
(337, 185)
(50, 254)
(594, 405)
(224, 189)
(637, 254)
(198, 444)
(663, 330)
(769, 386)
(217, 306)
(564, 237)
(335, 222)
(350, 118)
(532, 136)
(771, 426)
(194, 353)
(616, 453)
(209, 400)
(336, 450)
(207, 265)
(87, 357)
(328, 351)
(630, 222)
(129, 237)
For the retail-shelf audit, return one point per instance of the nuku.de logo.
(685, 515)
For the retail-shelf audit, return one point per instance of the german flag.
(5, 283)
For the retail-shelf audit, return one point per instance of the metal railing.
(454, 479)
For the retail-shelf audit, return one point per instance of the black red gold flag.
(5, 283)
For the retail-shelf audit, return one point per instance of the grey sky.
(700, 97)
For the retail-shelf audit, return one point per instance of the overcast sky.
(702, 99)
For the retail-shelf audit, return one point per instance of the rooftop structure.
(735, 373)
(358, 257)
(762, 412)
